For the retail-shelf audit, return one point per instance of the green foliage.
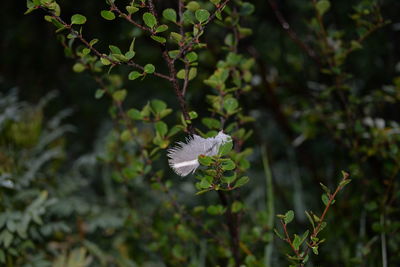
(308, 91)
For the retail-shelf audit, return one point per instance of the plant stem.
(232, 222)
(269, 200)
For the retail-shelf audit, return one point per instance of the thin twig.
(292, 34)
(129, 19)
(232, 227)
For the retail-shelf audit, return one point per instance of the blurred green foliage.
(305, 88)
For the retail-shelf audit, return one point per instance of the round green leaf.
(323, 6)
(134, 114)
(230, 104)
(99, 93)
(107, 14)
(134, 75)
(202, 15)
(193, 6)
(149, 68)
(78, 67)
(149, 19)
(169, 14)
(119, 95)
(158, 106)
(78, 19)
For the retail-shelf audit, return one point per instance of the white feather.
(183, 156)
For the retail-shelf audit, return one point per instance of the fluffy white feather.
(183, 156)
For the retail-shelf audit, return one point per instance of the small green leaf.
(107, 14)
(131, 9)
(182, 74)
(279, 234)
(193, 6)
(229, 179)
(325, 199)
(322, 6)
(211, 123)
(193, 115)
(236, 206)
(99, 93)
(205, 160)
(289, 216)
(162, 28)
(158, 106)
(133, 75)
(149, 68)
(173, 53)
(78, 67)
(192, 56)
(119, 95)
(228, 165)
(176, 37)
(161, 128)
(325, 188)
(225, 148)
(169, 14)
(159, 39)
(105, 61)
(115, 49)
(93, 42)
(206, 182)
(134, 114)
(304, 236)
(344, 182)
(126, 136)
(149, 19)
(129, 55)
(202, 15)
(246, 9)
(78, 19)
(230, 105)
(215, 209)
(296, 242)
(242, 181)
(310, 219)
